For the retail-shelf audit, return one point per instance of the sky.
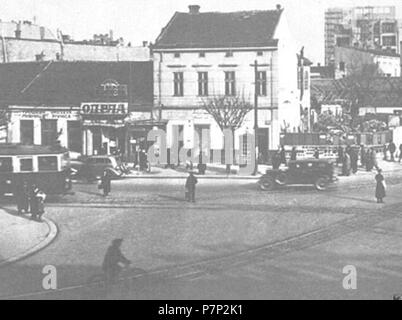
(142, 20)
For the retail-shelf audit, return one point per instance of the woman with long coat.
(380, 187)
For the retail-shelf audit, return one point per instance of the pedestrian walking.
(400, 152)
(282, 154)
(354, 158)
(276, 160)
(380, 187)
(111, 263)
(190, 187)
(339, 160)
(22, 197)
(392, 149)
(293, 155)
(36, 202)
(106, 183)
(346, 164)
(362, 156)
(316, 153)
(384, 151)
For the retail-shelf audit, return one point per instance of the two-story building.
(199, 56)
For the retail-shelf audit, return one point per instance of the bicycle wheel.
(95, 287)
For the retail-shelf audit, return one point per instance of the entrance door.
(74, 138)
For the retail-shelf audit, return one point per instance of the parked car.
(316, 172)
(94, 166)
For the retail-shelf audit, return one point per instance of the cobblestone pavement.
(188, 249)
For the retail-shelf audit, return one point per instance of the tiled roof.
(217, 30)
(71, 83)
(376, 52)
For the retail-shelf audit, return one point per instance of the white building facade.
(192, 66)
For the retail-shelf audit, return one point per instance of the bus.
(44, 166)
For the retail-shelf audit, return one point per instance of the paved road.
(235, 242)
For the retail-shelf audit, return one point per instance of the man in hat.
(111, 263)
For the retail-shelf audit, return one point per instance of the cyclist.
(112, 262)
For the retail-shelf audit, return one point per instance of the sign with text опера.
(99, 108)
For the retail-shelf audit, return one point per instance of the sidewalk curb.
(223, 177)
(49, 238)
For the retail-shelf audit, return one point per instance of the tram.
(44, 166)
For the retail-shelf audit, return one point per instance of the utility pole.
(256, 116)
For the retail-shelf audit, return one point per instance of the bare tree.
(229, 112)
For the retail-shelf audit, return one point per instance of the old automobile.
(316, 172)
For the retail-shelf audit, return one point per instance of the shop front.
(45, 125)
(104, 130)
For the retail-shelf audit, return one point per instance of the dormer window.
(177, 55)
(260, 53)
(229, 54)
(202, 55)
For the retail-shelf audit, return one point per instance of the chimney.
(194, 9)
(278, 7)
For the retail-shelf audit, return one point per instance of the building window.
(47, 163)
(260, 53)
(26, 131)
(388, 28)
(74, 136)
(177, 55)
(6, 165)
(229, 54)
(262, 83)
(49, 132)
(230, 83)
(202, 83)
(202, 55)
(389, 41)
(178, 84)
(26, 164)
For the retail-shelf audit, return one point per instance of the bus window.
(6, 165)
(26, 165)
(47, 163)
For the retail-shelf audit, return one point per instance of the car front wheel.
(267, 184)
(321, 183)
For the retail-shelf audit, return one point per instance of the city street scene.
(210, 150)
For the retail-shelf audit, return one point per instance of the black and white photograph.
(200, 150)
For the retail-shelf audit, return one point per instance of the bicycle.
(99, 286)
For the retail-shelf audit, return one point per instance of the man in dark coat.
(362, 155)
(339, 160)
(400, 152)
(282, 154)
(316, 153)
(22, 197)
(111, 263)
(276, 160)
(380, 187)
(106, 183)
(392, 149)
(293, 155)
(36, 202)
(190, 187)
(346, 164)
(353, 159)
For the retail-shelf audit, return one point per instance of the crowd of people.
(30, 199)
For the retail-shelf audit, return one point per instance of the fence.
(323, 139)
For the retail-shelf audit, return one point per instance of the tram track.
(216, 265)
